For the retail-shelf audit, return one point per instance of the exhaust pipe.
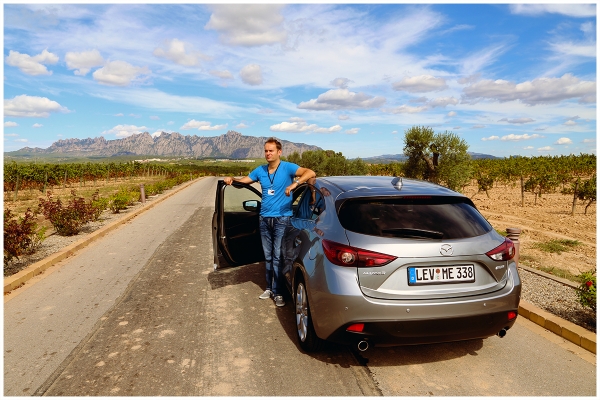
(363, 345)
(502, 333)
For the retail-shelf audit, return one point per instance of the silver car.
(380, 261)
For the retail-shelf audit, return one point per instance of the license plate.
(445, 274)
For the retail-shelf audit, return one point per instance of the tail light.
(504, 252)
(356, 328)
(347, 256)
(512, 315)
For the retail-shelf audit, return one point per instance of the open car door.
(235, 229)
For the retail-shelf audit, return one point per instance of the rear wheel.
(307, 338)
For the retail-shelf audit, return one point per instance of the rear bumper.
(410, 322)
(425, 331)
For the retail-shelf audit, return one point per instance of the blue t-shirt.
(274, 201)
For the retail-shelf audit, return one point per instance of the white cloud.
(538, 91)
(248, 24)
(154, 117)
(31, 106)
(517, 120)
(21, 140)
(122, 131)
(352, 131)
(119, 73)
(545, 148)
(341, 83)
(36, 125)
(83, 62)
(485, 139)
(201, 126)
(420, 84)
(221, 74)
(563, 141)
(241, 125)
(516, 138)
(589, 141)
(442, 102)
(452, 114)
(338, 99)
(10, 135)
(394, 132)
(571, 10)
(251, 74)
(528, 148)
(32, 65)
(343, 117)
(574, 49)
(479, 126)
(404, 109)
(10, 124)
(119, 115)
(176, 52)
(160, 132)
(299, 125)
(570, 123)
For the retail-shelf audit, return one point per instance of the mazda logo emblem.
(446, 250)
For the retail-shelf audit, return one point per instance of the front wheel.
(307, 338)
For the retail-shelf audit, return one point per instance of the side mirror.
(251, 205)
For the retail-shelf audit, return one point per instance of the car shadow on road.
(254, 273)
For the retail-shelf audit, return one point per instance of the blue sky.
(509, 79)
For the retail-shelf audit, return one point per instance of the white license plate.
(445, 274)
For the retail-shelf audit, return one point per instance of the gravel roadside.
(549, 295)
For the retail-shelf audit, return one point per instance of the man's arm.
(229, 180)
(303, 174)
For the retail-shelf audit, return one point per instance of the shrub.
(100, 204)
(67, 220)
(122, 199)
(20, 235)
(587, 290)
(557, 245)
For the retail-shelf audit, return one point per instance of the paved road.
(141, 312)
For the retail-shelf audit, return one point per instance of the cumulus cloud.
(442, 102)
(563, 141)
(589, 141)
(251, 74)
(545, 148)
(201, 126)
(154, 117)
(420, 84)
(404, 109)
(352, 131)
(84, 61)
(32, 65)
(452, 114)
(516, 138)
(160, 132)
(538, 91)
(571, 10)
(338, 99)
(341, 83)
(343, 117)
(10, 124)
(516, 120)
(36, 125)
(241, 125)
(221, 74)
(119, 115)
(248, 24)
(10, 135)
(299, 125)
(122, 131)
(21, 140)
(31, 106)
(485, 139)
(175, 51)
(119, 73)
(570, 123)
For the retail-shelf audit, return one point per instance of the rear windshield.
(419, 218)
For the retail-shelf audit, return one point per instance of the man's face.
(271, 152)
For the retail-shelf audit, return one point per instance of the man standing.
(277, 180)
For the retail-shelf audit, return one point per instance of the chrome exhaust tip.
(502, 333)
(363, 345)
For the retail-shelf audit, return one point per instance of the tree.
(437, 157)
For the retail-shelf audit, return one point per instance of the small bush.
(100, 204)
(122, 199)
(557, 246)
(67, 220)
(587, 290)
(20, 235)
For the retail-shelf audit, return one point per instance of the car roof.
(386, 186)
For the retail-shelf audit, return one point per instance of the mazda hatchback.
(377, 260)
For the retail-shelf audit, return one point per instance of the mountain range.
(230, 145)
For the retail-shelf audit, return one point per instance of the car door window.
(310, 204)
(233, 199)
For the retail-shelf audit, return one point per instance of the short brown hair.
(275, 141)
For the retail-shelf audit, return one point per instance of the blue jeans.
(272, 232)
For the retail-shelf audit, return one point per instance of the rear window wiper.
(414, 233)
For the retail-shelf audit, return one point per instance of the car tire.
(305, 332)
